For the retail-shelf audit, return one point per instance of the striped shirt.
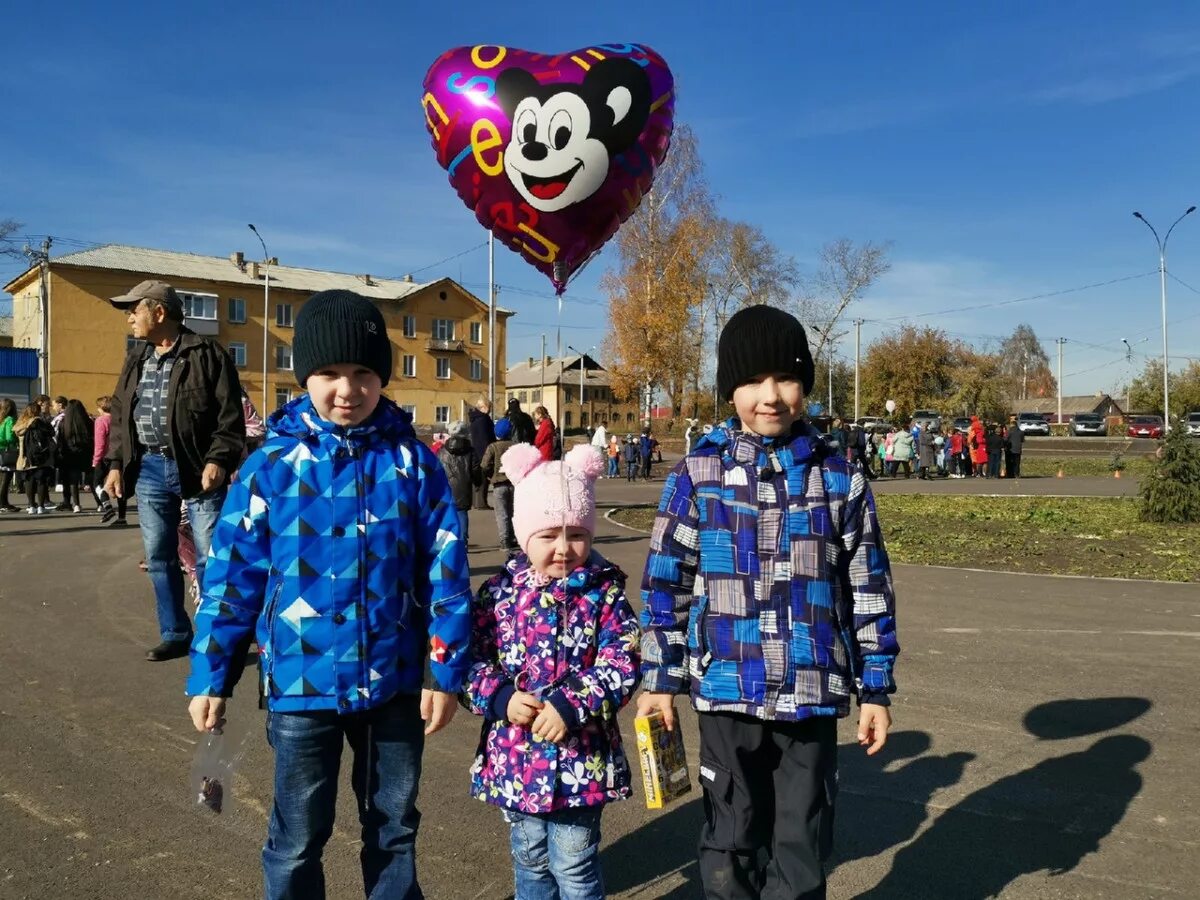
(150, 399)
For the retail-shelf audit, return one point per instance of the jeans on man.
(464, 526)
(158, 496)
(556, 856)
(502, 500)
(386, 742)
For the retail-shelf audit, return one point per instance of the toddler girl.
(554, 658)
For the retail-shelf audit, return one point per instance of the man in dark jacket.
(483, 435)
(178, 429)
(1014, 444)
(523, 429)
(458, 460)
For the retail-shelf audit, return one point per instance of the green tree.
(1171, 493)
(913, 366)
(1024, 366)
(1146, 391)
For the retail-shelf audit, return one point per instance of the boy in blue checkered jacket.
(768, 596)
(338, 547)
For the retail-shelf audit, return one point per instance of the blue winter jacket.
(768, 590)
(341, 547)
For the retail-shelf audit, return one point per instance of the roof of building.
(173, 264)
(1070, 405)
(534, 372)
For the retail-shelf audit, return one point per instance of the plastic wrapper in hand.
(214, 764)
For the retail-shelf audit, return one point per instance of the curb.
(608, 518)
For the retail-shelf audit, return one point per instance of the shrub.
(1171, 492)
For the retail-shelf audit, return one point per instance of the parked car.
(1033, 423)
(926, 418)
(962, 423)
(1145, 427)
(1192, 424)
(1085, 424)
(872, 424)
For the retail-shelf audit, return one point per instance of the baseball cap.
(151, 290)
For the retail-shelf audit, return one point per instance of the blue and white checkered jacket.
(342, 547)
(768, 590)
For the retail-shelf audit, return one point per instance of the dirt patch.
(1096, 536)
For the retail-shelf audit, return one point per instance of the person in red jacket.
(544, 439)
(977, 441)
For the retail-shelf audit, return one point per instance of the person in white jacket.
(600, 441)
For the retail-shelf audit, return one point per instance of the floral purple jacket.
(574, 643)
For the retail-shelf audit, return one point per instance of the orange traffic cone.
(1060, 473)
(1116, 473)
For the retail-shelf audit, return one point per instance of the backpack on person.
(39, 445)
(556, 446)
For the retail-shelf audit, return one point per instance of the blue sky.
(1002, 150)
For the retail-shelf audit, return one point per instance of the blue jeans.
(612, 467)
(159, 500)
(502, 500)
(464, 526)
(386, 742)
(557, 856)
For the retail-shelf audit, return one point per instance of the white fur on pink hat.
(552, 494)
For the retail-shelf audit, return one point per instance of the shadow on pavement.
(1046, 818)
(664, 846)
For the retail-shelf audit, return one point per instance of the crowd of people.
(339, 545)
(990, 450)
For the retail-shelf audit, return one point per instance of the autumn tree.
(661, 279)
(1025, 367)
(1146, 391)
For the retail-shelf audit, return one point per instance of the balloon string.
(562, 441)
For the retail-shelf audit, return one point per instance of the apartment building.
(439, 330)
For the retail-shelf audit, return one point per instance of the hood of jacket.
(744, 447)
(298, 419)
(458, 445)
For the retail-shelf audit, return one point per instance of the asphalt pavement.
(1045, 744)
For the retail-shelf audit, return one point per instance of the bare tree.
(845, 272)
(10, 246)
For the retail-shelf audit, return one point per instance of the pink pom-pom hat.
(552, 494)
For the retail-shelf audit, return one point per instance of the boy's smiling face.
(769, 404)
(344, 393)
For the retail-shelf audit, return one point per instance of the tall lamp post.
(1162, 281)
(266, 311)
(582, 358)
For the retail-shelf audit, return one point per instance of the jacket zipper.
(268, 675)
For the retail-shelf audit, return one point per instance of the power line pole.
(1060, 341)
(858, 323)
(41, 259)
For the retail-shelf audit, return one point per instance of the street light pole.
(1162, 282)
(266, 310)
(858, 324)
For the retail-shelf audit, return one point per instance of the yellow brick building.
(439, 330)
(572, 403)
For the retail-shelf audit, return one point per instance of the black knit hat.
(340, 327)
(760, 340)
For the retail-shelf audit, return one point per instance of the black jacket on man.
(204, 411)
(483, 432)
(522, 423)
(1016, 439)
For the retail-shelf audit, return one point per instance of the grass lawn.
(1048, 464)
(1074, 536)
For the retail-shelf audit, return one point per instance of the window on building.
(283, 315)
(199, 306)
(567, 395)
(583, 419)
(283, 356)
(567, 419)
(476, 332)
(282, 397)
(410, 326)
(237, 350)
(536, 396)
(237, 311)
(443, 329)
(443, 367)
(477, 370)
(411, 409)
(521, 396)
(410, 366)
(441, 415)
(585, 395)
(628, 417)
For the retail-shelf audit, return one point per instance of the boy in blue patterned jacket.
(338, 547)
(768, 595)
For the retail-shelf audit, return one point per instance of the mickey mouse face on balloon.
(564, 136)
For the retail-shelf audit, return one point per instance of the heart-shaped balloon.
(552, 152)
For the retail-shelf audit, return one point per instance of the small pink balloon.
(552, 152)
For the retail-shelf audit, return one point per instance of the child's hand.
(649, 703)
(873, 724)
(549, 725)
(523, 708)
(437, 709)
(207, 712)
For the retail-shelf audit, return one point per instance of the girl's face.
(557, 552)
